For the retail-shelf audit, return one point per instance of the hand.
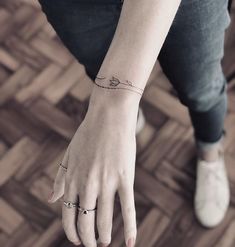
(100, 160)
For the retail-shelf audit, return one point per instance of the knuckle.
(90, 188)
(107, 193)
(92, 182)
(87, 188)
(109, 185)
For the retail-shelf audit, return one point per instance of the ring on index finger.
(69, 204)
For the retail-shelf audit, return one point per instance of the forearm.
(139, 36)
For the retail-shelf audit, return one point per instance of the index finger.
(69, 214)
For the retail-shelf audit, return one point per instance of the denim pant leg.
(214, 119)
(191, 59)
(85, 27)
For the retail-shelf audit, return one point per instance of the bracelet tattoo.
(115, 83)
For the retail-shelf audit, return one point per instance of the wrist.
(115, 98)
(113, 104)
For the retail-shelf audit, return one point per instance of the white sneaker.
(212, 195)
(140, 121)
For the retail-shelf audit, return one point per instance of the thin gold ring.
(63, 167)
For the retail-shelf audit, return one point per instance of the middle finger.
(86, 222)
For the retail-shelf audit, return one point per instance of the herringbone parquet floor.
(44, 95)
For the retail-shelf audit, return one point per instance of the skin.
(100, 158)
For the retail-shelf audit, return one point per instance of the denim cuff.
(207, 145)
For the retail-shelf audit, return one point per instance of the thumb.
(58, 187)
(59, 183)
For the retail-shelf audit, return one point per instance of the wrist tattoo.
(115, 83)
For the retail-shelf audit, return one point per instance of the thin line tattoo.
(114, 82)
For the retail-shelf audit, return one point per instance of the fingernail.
(50, 196)
(130, 242)
(77, 243)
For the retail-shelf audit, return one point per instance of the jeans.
(190, 56)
